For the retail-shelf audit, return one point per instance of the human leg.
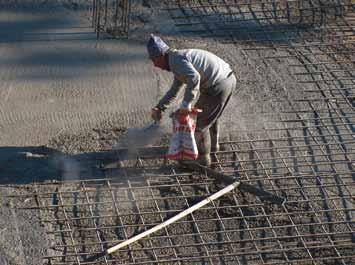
(207, 126)
(203, 141)
(214, 134)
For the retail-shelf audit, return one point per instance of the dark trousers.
(212, 105)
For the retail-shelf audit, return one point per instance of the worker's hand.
(156, 114)
(185, 111)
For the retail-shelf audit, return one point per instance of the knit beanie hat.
(156, 47)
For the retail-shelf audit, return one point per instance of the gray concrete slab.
(56, 77)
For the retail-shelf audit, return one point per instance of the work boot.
(203, 141)
(214, 133)
(204, 160)
(186, 164)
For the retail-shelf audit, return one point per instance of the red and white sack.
(182, 142)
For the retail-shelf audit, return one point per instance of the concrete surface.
(58, 83)
(62, 91)
(56, 77)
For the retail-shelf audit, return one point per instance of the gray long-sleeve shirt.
(198, 70)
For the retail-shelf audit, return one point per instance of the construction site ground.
(71, 187)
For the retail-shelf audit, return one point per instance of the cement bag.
(182, 142)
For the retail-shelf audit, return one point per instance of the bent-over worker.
(205, 76)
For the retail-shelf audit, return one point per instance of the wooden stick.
(174, 218)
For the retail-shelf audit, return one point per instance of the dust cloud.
(136, 138)
(69, 168)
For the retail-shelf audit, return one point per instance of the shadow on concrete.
(250, 31)
(66, 62)
(51, 42)
(24, 165)
(21, 165)
(22, 22)
(255, 23)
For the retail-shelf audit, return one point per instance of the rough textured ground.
(63, 93)
(57, 78)
(59, 84)
(22, 239)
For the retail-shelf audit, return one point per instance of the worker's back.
(211, 68)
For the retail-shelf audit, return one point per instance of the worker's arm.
(184, 73)
(191, 77)
(170, 95)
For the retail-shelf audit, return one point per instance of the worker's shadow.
(21, 165)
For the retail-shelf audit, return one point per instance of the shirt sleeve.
(184, 73)
(189, 75)
(170, 95)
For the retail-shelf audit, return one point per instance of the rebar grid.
(313, 149)
(312, 227)
(111, 16)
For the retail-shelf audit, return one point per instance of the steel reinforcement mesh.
(111, 16)
(313, 226)
(303, 153)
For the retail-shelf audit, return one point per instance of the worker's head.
(157, 50)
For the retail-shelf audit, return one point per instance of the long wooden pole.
(232, 184)
(174, 218)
